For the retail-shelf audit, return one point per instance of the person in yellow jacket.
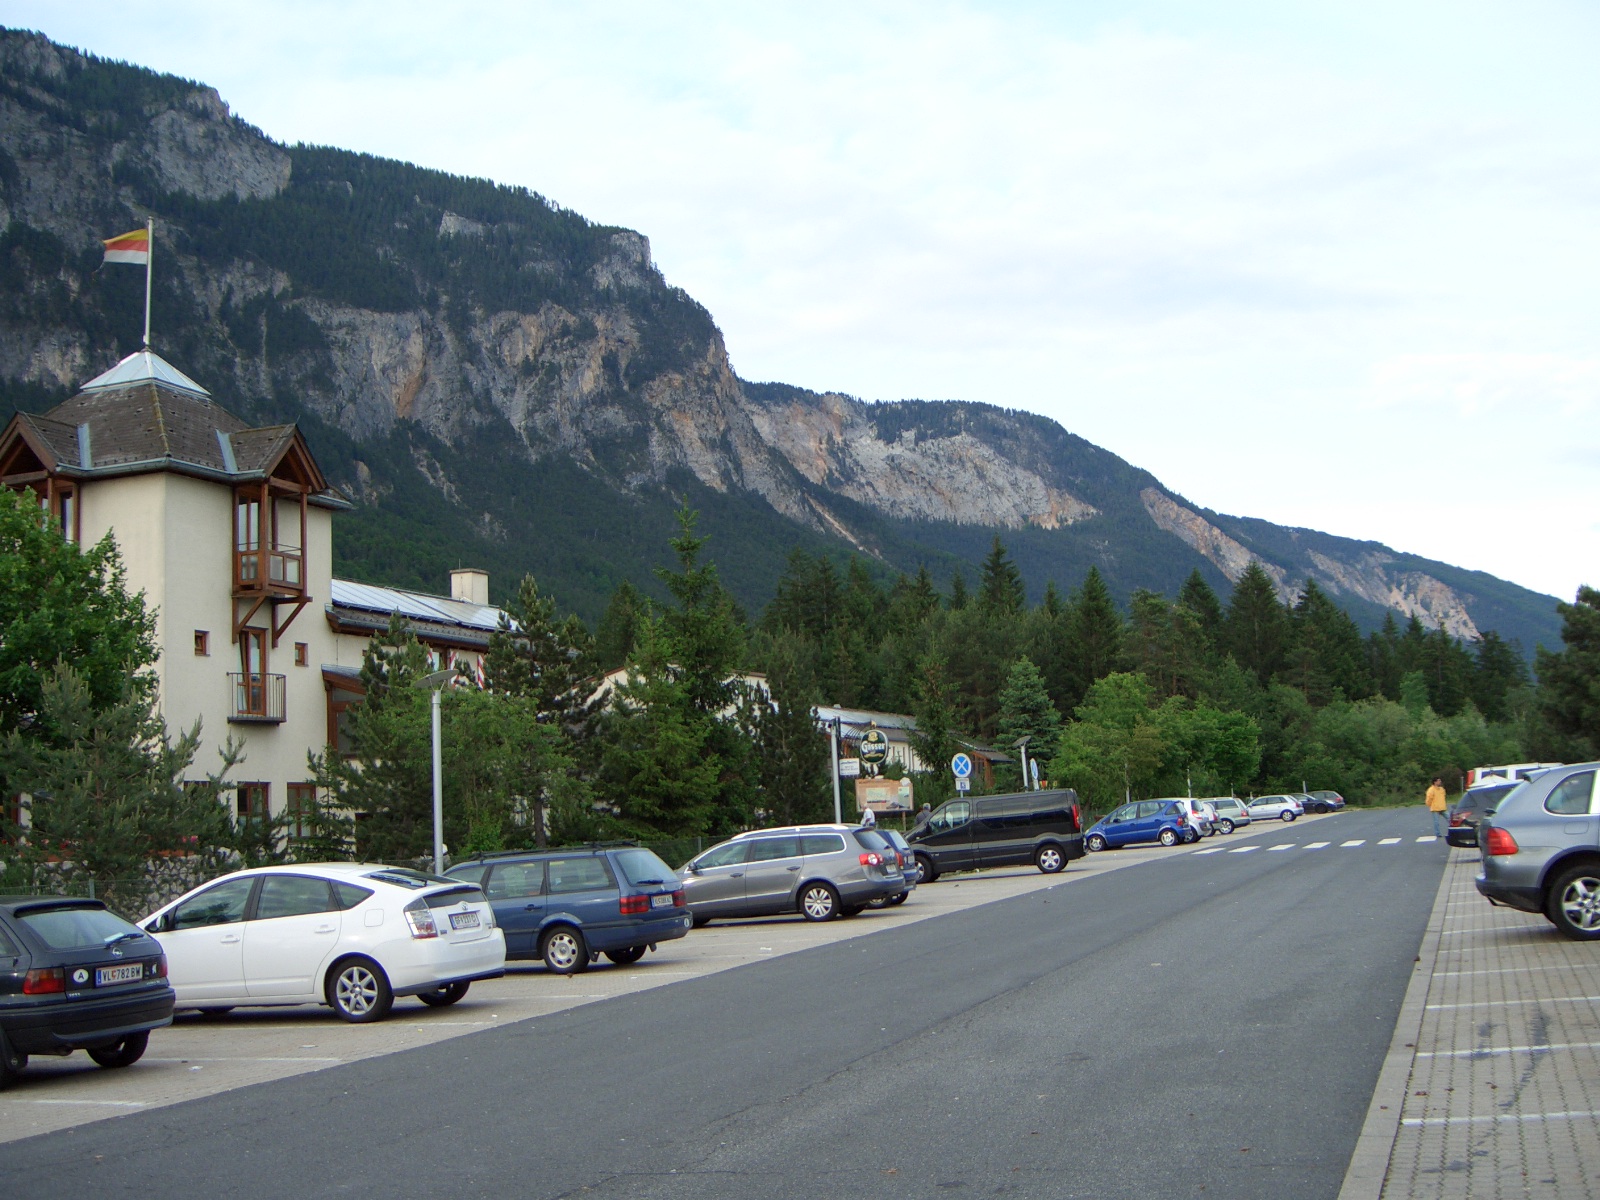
(1437, 804)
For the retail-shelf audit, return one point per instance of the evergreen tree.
(792, 753)
(1026, 711)
(1198, 597)
(534, 654)
(1325, 657)
(613, 641)
(1000, 590)
(934, 740)
(1569, 681)
(1256, 629)
(1499, 671)
(958, 591)
(1447, 667)
(1095, 646)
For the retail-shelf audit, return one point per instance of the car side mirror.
(694, 868)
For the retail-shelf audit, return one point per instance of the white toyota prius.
(350, 935)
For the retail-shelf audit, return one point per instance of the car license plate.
(124, 974)
(661, 901)
(466, 920)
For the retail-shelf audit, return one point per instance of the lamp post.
(833, 741)
(1022, 746)
(435, 683)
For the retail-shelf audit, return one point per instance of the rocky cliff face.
(384, 298)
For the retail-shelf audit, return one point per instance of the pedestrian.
(869, 818)
(924, 819)
(1436, 805)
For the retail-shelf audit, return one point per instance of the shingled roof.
(145, 415)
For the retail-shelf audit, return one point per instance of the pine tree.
(1569, 681)
(1000, 590)
(1198, 597)
(792, 752)
(934, 739)
(1256, 629)
(1095, 647)
(1499, 671)
(958, 592)
(1026, 712)
(613, 641)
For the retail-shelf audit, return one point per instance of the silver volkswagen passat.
(819, 871)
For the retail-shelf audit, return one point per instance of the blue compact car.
(1161, 821)
(569, 907)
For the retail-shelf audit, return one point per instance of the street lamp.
(1022, 746)
(436, 683)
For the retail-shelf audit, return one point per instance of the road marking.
(1535, 1000)
(105, 1103)
(1243, 849)
(1356, 842)
(1508, 1050)
(1508, 970)
(1388, 841)
(244, 1058)
(1507, 1118)
(1317, 845)
(1282, 846)
(1213, 850)
(1429, 838)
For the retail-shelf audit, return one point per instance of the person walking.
(924, 818)
(869, 818)
(1437, 804)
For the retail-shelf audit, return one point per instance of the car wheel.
(1095, 843)
(899, 899)
(1049, 859)
(926, 871)
(1169, 837)
(1286, 815)
(121, 1054)
(12, 1063)
(1226, 825)
(445, 996)
(1574, 904)
(819, 902)
(623, 957)
(564, 951)
(850, 910)
(359, 991)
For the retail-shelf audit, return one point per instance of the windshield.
(76, 928)
(641, 867)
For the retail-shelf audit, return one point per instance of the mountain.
(499, 382)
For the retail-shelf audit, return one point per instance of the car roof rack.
(487, 855)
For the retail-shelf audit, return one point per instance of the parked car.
(1044, 828)
(350, 935)
(908, 868)
(568, 907)
(1506, 772)
(1231, 812)
(1164, 821)
(1475, 804)
(1322, 802)
(819, 871)
(1541, 850)
(1283, 807)
(75, 976)
(1202, 819)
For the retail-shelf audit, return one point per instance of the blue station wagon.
(569, 907)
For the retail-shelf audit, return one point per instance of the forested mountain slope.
(500, 382)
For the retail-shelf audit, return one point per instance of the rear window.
(587, 874)
(872, 840)
(642, 868)
(465, 894)
(350, 894)
(75, 928)
(8, 948)
(407, 878)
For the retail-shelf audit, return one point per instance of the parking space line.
(1535, 1000)
(1508, 1050)
(1317, 845)
(1505, 970)
(102, 1103)
(1353, 842)
(1243, 849)
(1388, 841)
(310, 1058)
(1502, 1119)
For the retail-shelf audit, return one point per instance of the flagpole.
(149, 266)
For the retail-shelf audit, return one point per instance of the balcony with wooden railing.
(258, 698)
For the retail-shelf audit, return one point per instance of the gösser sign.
(874, 746)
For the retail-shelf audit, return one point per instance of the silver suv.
(1541, 850)
(819, 871)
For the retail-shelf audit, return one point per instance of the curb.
(1369, 1164)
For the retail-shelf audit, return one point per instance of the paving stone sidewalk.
(1492, 1088)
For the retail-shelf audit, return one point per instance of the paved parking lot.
(200, 1056)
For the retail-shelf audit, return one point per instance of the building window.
(302, 803)
(340, 701)
(253, 800)
(302, 654)
(202, 643)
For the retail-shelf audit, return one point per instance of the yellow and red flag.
(129, 247)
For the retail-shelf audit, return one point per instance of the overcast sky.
(1333, 265)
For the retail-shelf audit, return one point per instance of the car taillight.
(1077, 819)
(1500, 842)
(420, 917)
(42, 981)
(158, 969)
(871, 858)
(632, 906)
(1457, 820)
(677, 900)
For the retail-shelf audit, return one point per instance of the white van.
(1512, 771)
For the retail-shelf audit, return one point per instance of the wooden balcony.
(258, 699)
(269, 570)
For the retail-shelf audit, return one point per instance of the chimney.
(470, 585)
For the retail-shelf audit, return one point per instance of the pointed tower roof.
(145, 366)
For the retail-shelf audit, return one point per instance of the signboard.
(1034, 768)
(883, 795)
(963, 784)
(961, 764)
(874, 747)
(849, 768)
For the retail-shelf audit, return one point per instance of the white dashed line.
(1535, 1000)
(1213, 850)
(104, 1103)
(1356, 842)
(1508, 1050)
(1388, 841)
(1429, 838)
(1317, 845)
(1243, 849)
(1507, 1118)
(1284, 846)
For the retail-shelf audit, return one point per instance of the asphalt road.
(1198, 1025)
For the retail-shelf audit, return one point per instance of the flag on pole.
(129, 248)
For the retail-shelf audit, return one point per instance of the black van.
(1044, 828)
